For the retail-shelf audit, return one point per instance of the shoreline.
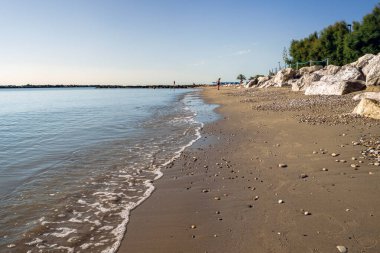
(222, 196)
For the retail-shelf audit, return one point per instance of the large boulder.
(251, 83)
(305, 81)
(362, 61)
(262, 80)
(346, 73)
(372, 71)
(334, 87)
(309, 70)
(368, 108)
(331, 70)
(268, 83)
(283, 76)
(368, 95)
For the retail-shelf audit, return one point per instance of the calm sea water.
(74, 162)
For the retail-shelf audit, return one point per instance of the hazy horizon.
(155, 42)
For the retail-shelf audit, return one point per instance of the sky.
(133, 42)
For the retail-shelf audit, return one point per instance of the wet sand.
(223, 194)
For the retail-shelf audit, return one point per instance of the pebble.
(376, 164)
(280, 201)
(205, 190)
(342, 161)
(306, 213)
(334, 154)
(354, 158)
(324, 169)
(193, 227)
(371, 173)
(11, 245)
(217, 198)
(282, 165)
(315, 152)
(342, 249)
(354, 165)
(217, 212)
(256, 197)
(303, 176)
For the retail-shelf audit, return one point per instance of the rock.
(309, 70)
(305, 81)
(303, 176)
(280, 201)
(306, 213)
(331, 70)
(369, 95)
(324, 169)
(342, 249)
(283, 76)
(363, 61)
(333, 87)
(282, 165)
(372, 71)
(368, 108)
(193, 227)
(334, 154)
(261, 80)
(347, 73)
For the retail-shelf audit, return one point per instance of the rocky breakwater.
(334, 80)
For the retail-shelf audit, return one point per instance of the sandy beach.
(279, 172)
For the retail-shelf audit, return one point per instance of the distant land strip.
(104, 86)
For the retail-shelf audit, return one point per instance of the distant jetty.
(104, 86)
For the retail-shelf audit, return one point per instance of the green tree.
(365, 38)
(241, 77)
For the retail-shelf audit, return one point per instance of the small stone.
(324, 169)
(315, 152)
(11, 245)
(217, 212)
(376, 164)
(205, 190)
(342, 249)
(250, 206)
(347, 210)
(334, 154)
(303, 176)
(306, 213)
(354, 165)
(371, 173)
(217, 198)
(256, 197)
(355, 143)
(360, 161)
(342, 161)
(193, 227)
(193, 236)
(354, 158)
(280, 201)
(282, 165)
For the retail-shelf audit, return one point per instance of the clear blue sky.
(155, 41)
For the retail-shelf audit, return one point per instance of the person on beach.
(218, 83)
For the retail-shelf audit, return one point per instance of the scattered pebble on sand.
(306, 213)
(280, 201)
(282, 165)
(342, 249)
(334, 154)
(324, 169)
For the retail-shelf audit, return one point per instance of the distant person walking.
(218, 83)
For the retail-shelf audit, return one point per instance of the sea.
(75, 161)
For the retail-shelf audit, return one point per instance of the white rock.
(342, 249)
(368, 108)
(280, 201)
(372, 71)
(368, 95)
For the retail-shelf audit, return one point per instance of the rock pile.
(333, 80)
